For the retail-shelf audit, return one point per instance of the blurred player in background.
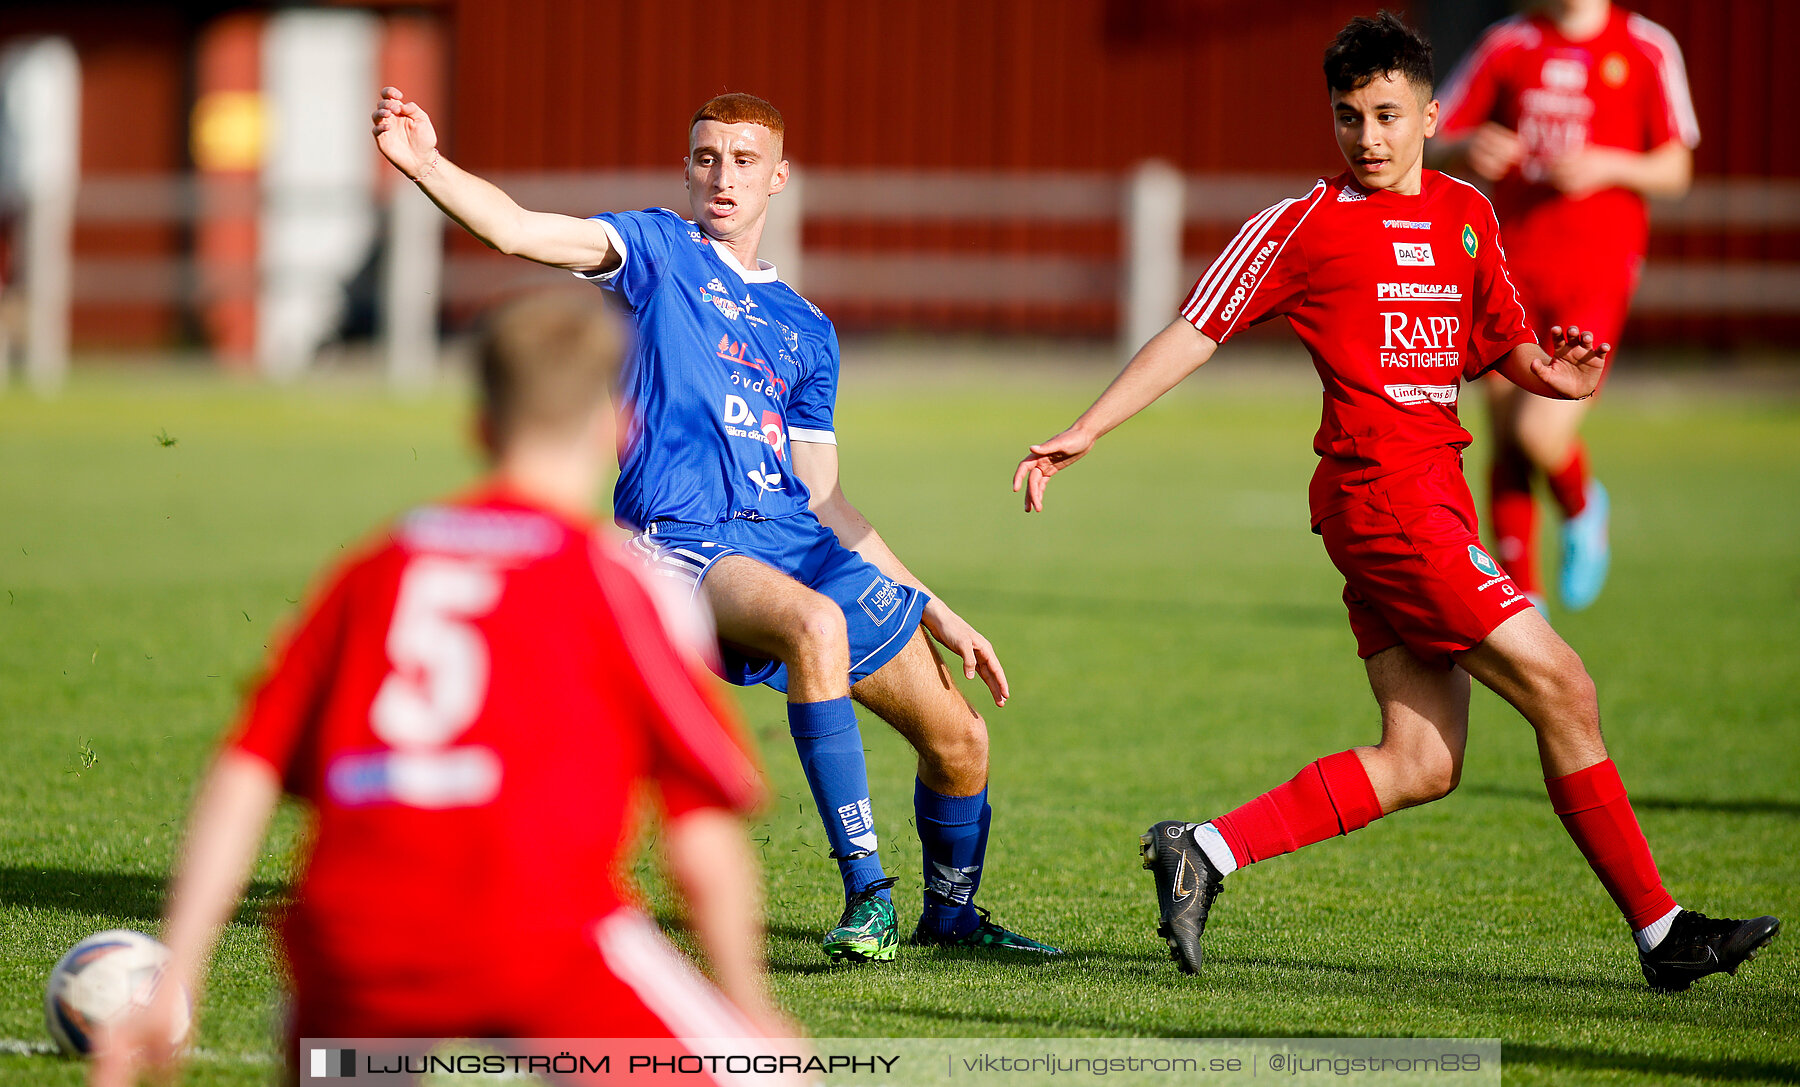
(1393, 277)
(470, 708)
(1576, 112)
(730, 479)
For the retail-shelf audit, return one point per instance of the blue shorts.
(879, 613)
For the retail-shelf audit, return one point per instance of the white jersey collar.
(765, 272)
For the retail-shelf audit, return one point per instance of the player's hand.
(1048, 458)
(1575, 363)
(137, 1046)
(1586, 171)
(403, 133)
(1493, 150)
(977, 653)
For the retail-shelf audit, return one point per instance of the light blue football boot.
(1586, 550)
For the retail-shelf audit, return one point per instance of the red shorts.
(1414, 570)
(1566, 293)
(623, 981)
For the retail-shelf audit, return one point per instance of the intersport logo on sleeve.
(1413, 254)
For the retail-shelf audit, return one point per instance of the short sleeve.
(642, 239)
(1261, 274)
(1469, 97)
(1499, 321)
(698, 758)
(1669, 108)
(814, 399)
(284, 708)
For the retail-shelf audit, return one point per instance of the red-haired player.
(1576, 112)
(469, 707)
(730, 481)
(1393, 277)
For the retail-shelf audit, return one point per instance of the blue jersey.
(729, 365)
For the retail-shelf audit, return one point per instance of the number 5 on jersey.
(439, 657)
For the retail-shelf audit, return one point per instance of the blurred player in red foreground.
(469, 707)
(1393, 277)
(1577, 113)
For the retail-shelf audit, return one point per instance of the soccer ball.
(100, 979)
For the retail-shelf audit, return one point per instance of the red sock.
(1598, 815)
(1514, 517)
(1330, 797)
(1569, 483)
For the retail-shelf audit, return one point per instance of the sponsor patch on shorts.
(880, 600)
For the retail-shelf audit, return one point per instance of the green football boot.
(868, 931)
(986, 936)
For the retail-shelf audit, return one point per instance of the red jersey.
(1625, 88)
(1397, 298)
(471, 708)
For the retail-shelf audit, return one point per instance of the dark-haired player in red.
(1576, 112)
(1393, 277)
(469, 708)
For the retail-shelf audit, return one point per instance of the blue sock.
(953, 832)
(831, 753)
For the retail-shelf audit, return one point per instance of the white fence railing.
(1149, 207)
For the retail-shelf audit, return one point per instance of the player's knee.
(959, 748)
(1446, 777)
(1434, 775)
(817, 629)
(1547, 451)
(1569, 692)
(1546, 440)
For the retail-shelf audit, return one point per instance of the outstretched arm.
(405, 135)
(1160, 365)
(816, 463)
(1571, 371)
(223, 834)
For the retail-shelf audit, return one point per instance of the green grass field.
(1175, 643)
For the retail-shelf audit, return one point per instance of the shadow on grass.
(128, 896)
(1749, 806)
(1414, 976)
(808, 937)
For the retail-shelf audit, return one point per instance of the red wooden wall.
(1210, 85)
(1000, 84)
(1016, 85)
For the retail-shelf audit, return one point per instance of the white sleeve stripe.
(1226, 268)
(654, 657)
(1505, 32)
(1204, 283)
(1666, 52)
(1226, 261)
(1225, 264)
(691, 1007)
(805, 434)
(1221, 289)
(618, 243)
(1276, 256)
